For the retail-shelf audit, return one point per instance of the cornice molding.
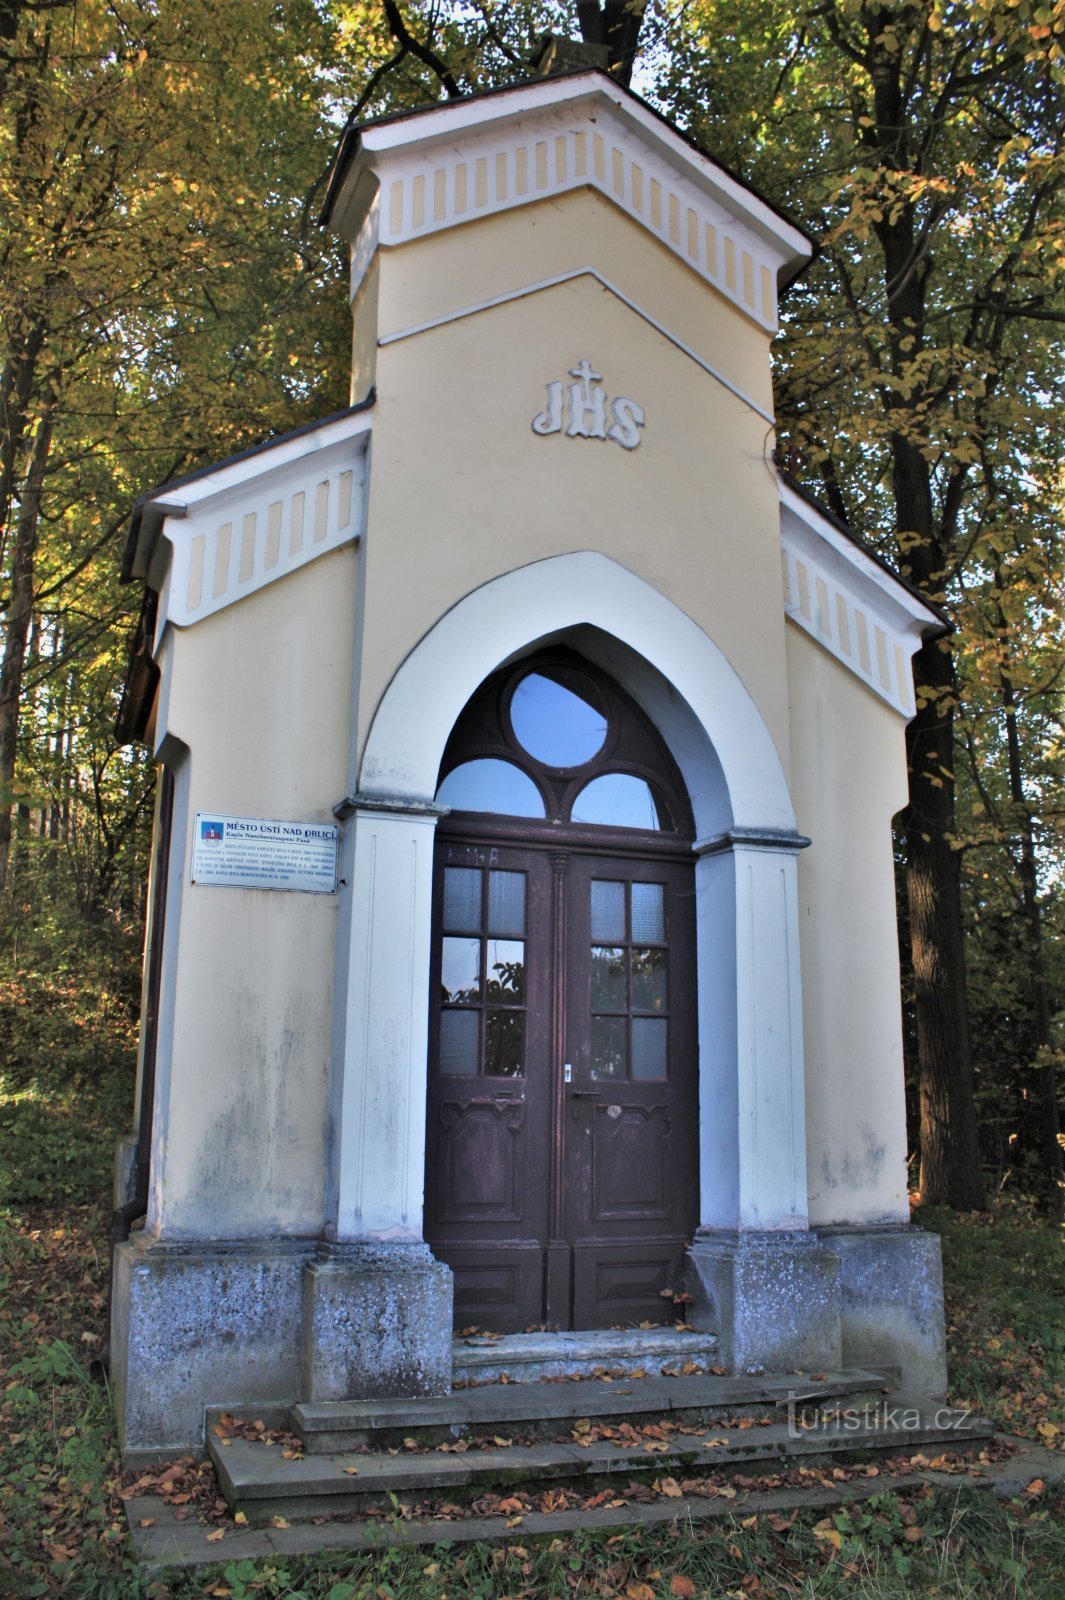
(414, 177)
(855, 608)
(255, 519)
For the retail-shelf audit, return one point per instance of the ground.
(62, 1512)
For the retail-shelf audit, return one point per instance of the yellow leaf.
(280, 1522)
(213, 1538)
(829, 1535)
(670, 1488)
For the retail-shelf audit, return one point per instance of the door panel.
(480, 1145)
(561, 1177)
(630, 1159)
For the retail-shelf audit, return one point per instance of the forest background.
(167, 299)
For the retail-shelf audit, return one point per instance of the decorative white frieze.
(222, 535)
(849, 603)
(582, 410)
(472, 159)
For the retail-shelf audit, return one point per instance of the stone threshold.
(529, 1357)
(171, 1542)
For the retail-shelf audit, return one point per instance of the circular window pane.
(559, 720)
(491, 785)
(617, 800)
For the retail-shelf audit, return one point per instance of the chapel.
(522, 947)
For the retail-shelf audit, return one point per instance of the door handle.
(586, 1094)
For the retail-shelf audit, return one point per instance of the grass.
(66, 1043)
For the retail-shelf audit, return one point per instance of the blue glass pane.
(559, 725)
(462, 898)
(617, 800)
(609, 1050)
(458, 1042)
(505, 975)
(490, 785)
(460, 971)
(608, 911)
(506, 902)
(648, 912)
(649, 1048)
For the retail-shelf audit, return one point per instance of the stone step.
(531, 1357)
(325, 1427)
(260, 1483)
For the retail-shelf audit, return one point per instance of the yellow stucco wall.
(463, 490)
(848, 780)
(430, 278)
(261, 694)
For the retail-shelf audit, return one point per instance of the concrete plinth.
(892, 1303)
(376, 1323)
(773, 1299)
(200, 1324)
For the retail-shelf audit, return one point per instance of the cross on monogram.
(584, 372)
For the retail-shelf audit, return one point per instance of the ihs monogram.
(583, 408)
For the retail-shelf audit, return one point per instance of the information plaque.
(261, 853)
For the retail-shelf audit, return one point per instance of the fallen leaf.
(639, 1591)
(1035, 1488)
(240, 1519)
(147, 1522)
(352, 1472)
(670, 1488)
(682, 1587)
(213, 1538)
(280, 1522)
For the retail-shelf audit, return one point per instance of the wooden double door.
(562, 1144)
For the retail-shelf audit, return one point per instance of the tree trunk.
(950, 1157)
(1048, 1128)
(17, 627)
(617, 24)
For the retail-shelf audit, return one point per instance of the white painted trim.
(446, 122)
(255, 520)
(584, 589)
(752, 1094)
(270, 457)
(553, 283)
(845, 600)
(462, 162)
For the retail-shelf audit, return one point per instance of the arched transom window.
(552, 740)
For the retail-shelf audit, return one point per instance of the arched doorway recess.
(752, 1157)
(562, 1118)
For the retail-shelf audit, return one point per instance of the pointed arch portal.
(751, 1141)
